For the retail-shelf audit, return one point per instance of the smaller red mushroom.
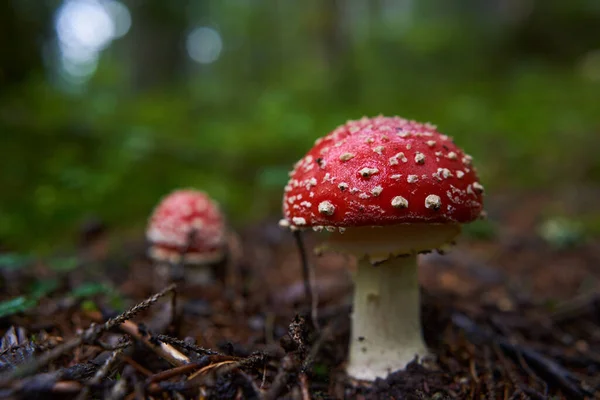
(187, 227)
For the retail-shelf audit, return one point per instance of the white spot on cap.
(412, 178)
(396, 176)
(367, 172)
(399, 202)
(326, 208)
(299, 221)
(431, 143)
(420, 158)
(478, 187)
(378, 149)
(346, 156)
(306, 204)
(460, 174)
(353, 129)
(343, 186)
(442, 173)
(452, 156)
(376, 191)
(408, 146)
(394, 159)
(363, 196)
(433, 202)
(312, 181)
(467, 159)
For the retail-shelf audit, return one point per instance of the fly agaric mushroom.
(387, 189)
(187, 227)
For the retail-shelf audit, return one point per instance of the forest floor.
(513, 311)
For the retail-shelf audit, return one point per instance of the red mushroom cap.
(382, 171)
(187, 223)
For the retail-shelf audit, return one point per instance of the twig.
(138, 387)
(533, 375)
(489, 376)
(100, 374)
(87, 336)
(286, 368)
(66, 387)
(164, 350)
(135, 365)
(308, 275)
(304, 387)
(325, 333)
(111, 323)
(185, 345)
(118, 390)
(184, 369)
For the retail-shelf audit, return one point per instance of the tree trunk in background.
(23, 27)
(157, 43)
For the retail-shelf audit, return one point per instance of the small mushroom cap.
(382, 171)
(187, 223)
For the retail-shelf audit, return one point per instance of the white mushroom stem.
(386, 325)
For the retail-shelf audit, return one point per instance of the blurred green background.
(106, 105)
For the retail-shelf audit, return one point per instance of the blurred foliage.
(481, 229)
(515, 82)
(38, 290)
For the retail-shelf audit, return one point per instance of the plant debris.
(509, 325)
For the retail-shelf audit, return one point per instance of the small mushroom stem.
(386, 325)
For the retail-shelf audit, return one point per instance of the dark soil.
(506, 316)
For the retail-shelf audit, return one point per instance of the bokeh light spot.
(204, 45)
(84, 28)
